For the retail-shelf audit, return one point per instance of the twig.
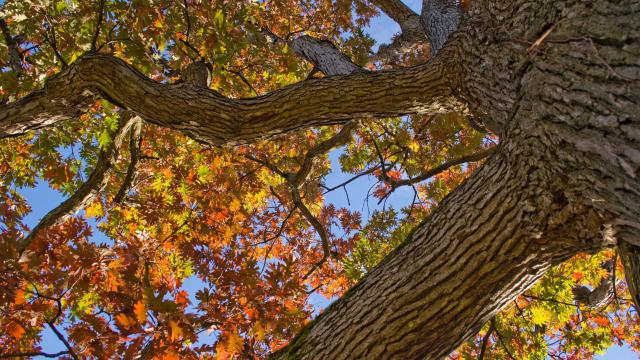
(98, 25)
(493, 322)
(35, 353)
(135, 143)
(485, 340)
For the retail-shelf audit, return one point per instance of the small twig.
(52, 42)
(493, 322)
(35, 353)
(98, 25)
(485, 340)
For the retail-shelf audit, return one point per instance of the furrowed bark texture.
(208, 117)
(412, 32)
(558, 80)
(562, 86)
(324, 55)
(440, 18)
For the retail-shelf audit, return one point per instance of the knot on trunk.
(197, 74)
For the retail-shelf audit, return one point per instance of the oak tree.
(195, 134)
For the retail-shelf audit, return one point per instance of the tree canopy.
(196, 136)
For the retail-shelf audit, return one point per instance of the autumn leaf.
(124, 321)
(176, 330)
(140, 311)
(15, 331)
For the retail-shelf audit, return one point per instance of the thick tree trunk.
(487, 242)
(562, 86)
(558, 80)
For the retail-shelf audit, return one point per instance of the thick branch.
(206, 116)
(454, 267)
(324, 55)
(440, 18)
(601, 295)
(412, 32)
(396, 10)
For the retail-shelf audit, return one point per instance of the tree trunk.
(561, 84)
(558, 80)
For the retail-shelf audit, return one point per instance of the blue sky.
(382, 29)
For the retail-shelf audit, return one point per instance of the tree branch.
(96, 32)
(88, 190)
(13, 47)
(208, 117)
(485, 339)
(412, 32)
(324, 55)
(439, 19)
(134, 154)
(35, 353)
(442, 168)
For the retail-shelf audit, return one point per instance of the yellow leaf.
(235, 344)
(176, 331)
(94, 210)
(235, 205)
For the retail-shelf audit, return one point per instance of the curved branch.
(134, 149)
(87, 191)
(442, 168)
(207, 117)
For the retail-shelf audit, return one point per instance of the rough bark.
(566, 102)
(13, 47)
(440, 18)
(207, 116)
(324, 55)
(553, 78)
(457, 270)
(412, 32)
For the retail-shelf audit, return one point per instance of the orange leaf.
(140, 311)
(601, 320)
(124, 321)
(182, 298)
(16, 331)
(19, 299)
(577, 276)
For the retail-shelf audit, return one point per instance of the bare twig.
(504, 346)
(485, 340)
(96, 32)
(35, 353)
